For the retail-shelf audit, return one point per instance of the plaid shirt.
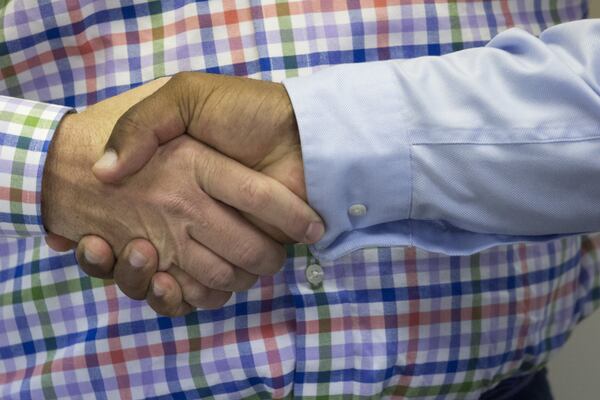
(386, 322)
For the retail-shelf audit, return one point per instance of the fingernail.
(158, 290)
(314, 232)
(108, 160)
(91, 257)
(137, 259)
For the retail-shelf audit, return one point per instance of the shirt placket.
(322, 338)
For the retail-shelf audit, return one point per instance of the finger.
(95, 257)
(195, 293)
(165, 296)
(206, 267)
(271, 231)
(59, 243)
(137, 134)
(227, 234)
(134, 268)
(257, 194)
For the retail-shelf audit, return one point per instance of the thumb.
(139, 131)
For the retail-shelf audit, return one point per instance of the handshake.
(194, 183)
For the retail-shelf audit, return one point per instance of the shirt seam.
(541, 141)
(411, 198)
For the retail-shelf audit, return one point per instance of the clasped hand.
(193, 182)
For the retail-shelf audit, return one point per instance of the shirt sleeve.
(459, 152)
(26, 129)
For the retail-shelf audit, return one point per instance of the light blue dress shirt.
(457, 153)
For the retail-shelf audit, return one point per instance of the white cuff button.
(357, 210)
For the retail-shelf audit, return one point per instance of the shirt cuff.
(26, 129)
(368, 183)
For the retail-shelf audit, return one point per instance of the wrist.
(67, 170)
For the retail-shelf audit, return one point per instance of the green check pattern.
(27, 128)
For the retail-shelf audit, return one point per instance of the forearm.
(501, 140)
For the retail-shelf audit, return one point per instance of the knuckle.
(130, 121)
(220, 278)
(201, 222)
(177, 204)
(180, 88)
(272, 261)
(250, 255)
(255, 195)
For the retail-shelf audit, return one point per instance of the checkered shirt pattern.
(385, 322)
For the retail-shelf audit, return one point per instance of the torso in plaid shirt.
(386, 322)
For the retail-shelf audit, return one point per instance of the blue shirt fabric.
(457, 153)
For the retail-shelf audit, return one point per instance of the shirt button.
(314, 274)
(357, 210)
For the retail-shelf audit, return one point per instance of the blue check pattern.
(385, 323)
